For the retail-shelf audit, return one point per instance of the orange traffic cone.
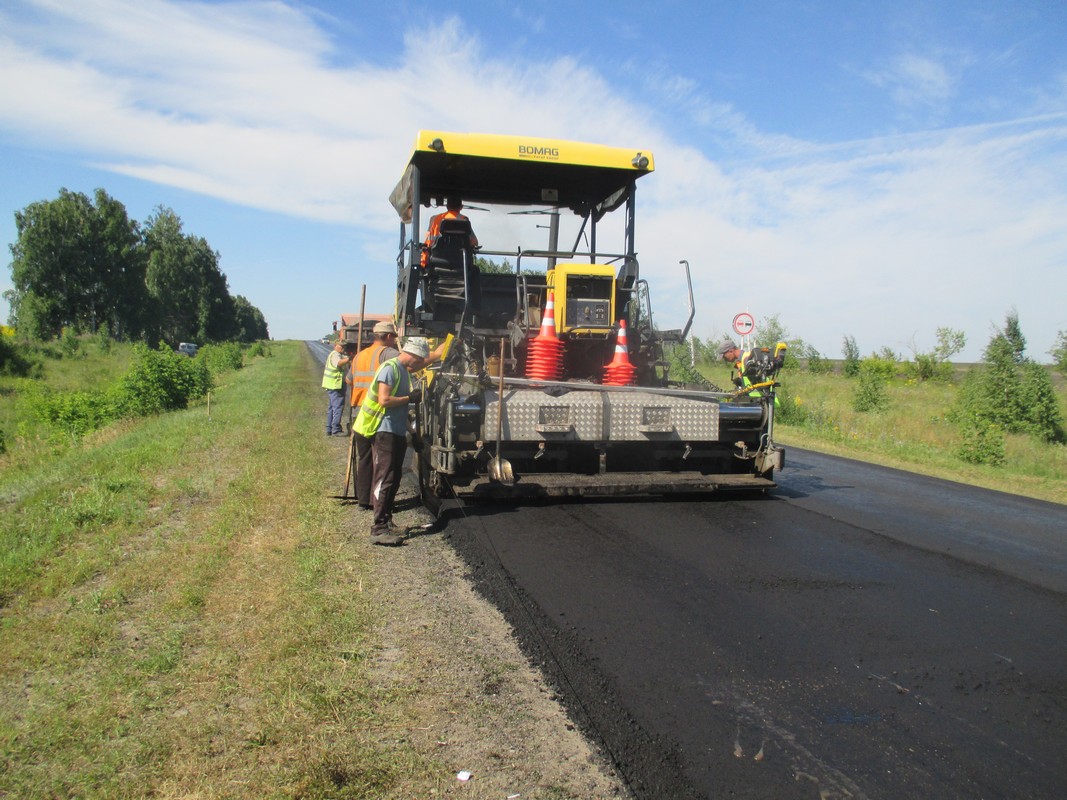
(545, 361)
(620, 372)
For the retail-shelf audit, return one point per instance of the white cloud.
(917, 81)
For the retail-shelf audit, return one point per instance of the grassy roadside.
(913, 433)
(1051, 487)
(175, 619)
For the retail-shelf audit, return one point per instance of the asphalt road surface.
(860, 632)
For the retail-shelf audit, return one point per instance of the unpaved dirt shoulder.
(477, 705)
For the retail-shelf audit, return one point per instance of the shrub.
(103, 338)
(851, 352)
(983, 442)
(793, 410)
(259, 349)
(162, 380)
(790, 411)
(16, 361)
(74, 413)
(1059, 352)
(870, 393)
(1016, 396)
(221, 357)
(1041, 416)
(883, 364)
(817, 365)
(935, 366)
(926, 367)
(69, 343)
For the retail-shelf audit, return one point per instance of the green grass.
(173, 609)
(90, 368)
(913, 433)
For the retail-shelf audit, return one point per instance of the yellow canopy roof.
(519, 170)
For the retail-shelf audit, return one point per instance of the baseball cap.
(726, 347)
(384, 327)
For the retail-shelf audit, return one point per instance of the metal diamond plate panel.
(644, 417)
(535, 415)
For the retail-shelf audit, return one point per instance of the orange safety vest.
(435, 230)
(363, 370)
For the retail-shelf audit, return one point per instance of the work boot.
(387, 539)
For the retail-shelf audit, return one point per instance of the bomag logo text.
(532, 151)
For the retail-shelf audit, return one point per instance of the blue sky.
(872, 169)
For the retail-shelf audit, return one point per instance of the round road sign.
(743, 323)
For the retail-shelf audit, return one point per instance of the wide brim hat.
(416, 347)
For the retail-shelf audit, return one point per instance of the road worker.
(382, 423)
(333, 382)
(367, 361)
(752, 366)
(363, 370)
(454, 208)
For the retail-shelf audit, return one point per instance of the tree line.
(81, 263)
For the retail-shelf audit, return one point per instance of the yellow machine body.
(585, 297)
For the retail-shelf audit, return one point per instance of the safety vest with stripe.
(332, 377)
(435, 230)
(742, 381)
(371, 413)
(363, 369)
(742, 368)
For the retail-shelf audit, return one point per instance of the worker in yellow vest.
(333, 381)
(382, 423)
(753, 366)
(366, 364)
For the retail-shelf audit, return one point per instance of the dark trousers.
(364, 468)
(388, 453)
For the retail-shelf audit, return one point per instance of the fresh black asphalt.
(860, 632)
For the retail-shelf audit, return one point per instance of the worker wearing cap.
(333, 382)
(368, 360)
(364, 368)
(383, 419)
(454, 207)
(741, 360)
(745, 369)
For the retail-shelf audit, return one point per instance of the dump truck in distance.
(555, 380)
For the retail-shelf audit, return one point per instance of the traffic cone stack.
(620, 372)
(545, 360)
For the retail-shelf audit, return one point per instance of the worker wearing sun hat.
(383, 419)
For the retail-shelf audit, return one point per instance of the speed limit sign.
(743, 323)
